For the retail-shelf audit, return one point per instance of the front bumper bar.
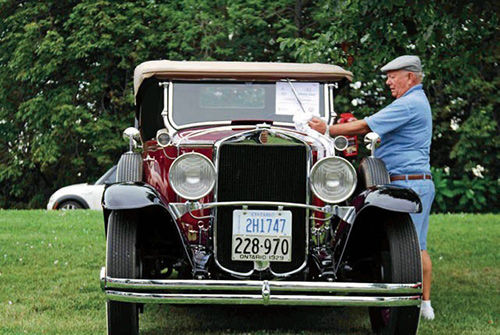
(258, 292)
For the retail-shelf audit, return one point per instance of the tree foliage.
(66, 76)
(459, 47)
(66, 73)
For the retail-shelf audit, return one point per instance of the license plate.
(262, 235)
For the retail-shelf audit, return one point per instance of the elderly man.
(405, 128)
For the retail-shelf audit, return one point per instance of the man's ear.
(412, 77)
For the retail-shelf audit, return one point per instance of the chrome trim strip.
(171, 105)
(345, 213)
(178, 140)
(227, 123)
(167, 90)
(258, 299)
(333, 114)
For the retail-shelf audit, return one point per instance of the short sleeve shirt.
(405, 129)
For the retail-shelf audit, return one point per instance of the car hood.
(209, 136)
(263, 133)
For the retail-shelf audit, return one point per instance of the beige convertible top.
(165, 69)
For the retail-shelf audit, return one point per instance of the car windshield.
(108, 178)
(201, 102)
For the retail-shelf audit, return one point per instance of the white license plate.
(262, 235)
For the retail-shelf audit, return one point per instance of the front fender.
(375, 206)
(143, 198)
(130, 196)
(389, 197)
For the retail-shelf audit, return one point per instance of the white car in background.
(82, 196)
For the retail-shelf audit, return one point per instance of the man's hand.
(318, 125)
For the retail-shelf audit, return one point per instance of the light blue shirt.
(405, 129)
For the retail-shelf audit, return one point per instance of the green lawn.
(50, 262)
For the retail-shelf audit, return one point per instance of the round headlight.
(162, 137)
(192, 176)
(333, 179)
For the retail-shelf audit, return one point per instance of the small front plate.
(262, 235)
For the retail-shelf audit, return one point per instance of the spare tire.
(372, 171)
(129, 167)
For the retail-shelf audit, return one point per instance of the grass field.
(50, 262)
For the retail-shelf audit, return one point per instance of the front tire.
(399, 261)
(122, 262)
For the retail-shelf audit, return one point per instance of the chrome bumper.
(257, 292)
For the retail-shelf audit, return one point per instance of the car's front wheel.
(122, 262)
(398, 261)
(69, 205)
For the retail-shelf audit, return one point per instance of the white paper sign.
(287, 104)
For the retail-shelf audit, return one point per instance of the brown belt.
(411, 177)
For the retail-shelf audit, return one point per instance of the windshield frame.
(102, 179)
(326, 100)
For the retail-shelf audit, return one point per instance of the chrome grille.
(255, 172)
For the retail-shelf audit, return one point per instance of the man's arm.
(358, 127)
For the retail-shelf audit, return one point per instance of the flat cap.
(406, 62)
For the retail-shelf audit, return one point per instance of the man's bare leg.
(427, 310)
(427, 273)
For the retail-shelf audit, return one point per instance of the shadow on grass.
(195, 319)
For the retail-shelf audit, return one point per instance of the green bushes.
(465, 193)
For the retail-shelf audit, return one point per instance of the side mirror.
(371, 140)
(132, 135)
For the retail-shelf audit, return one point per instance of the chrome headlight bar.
(346, 213)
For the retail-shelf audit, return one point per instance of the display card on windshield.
(287, 103)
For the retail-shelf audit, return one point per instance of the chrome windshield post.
(167, 105)
(331, 107)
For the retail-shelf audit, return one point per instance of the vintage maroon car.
(226, 196)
